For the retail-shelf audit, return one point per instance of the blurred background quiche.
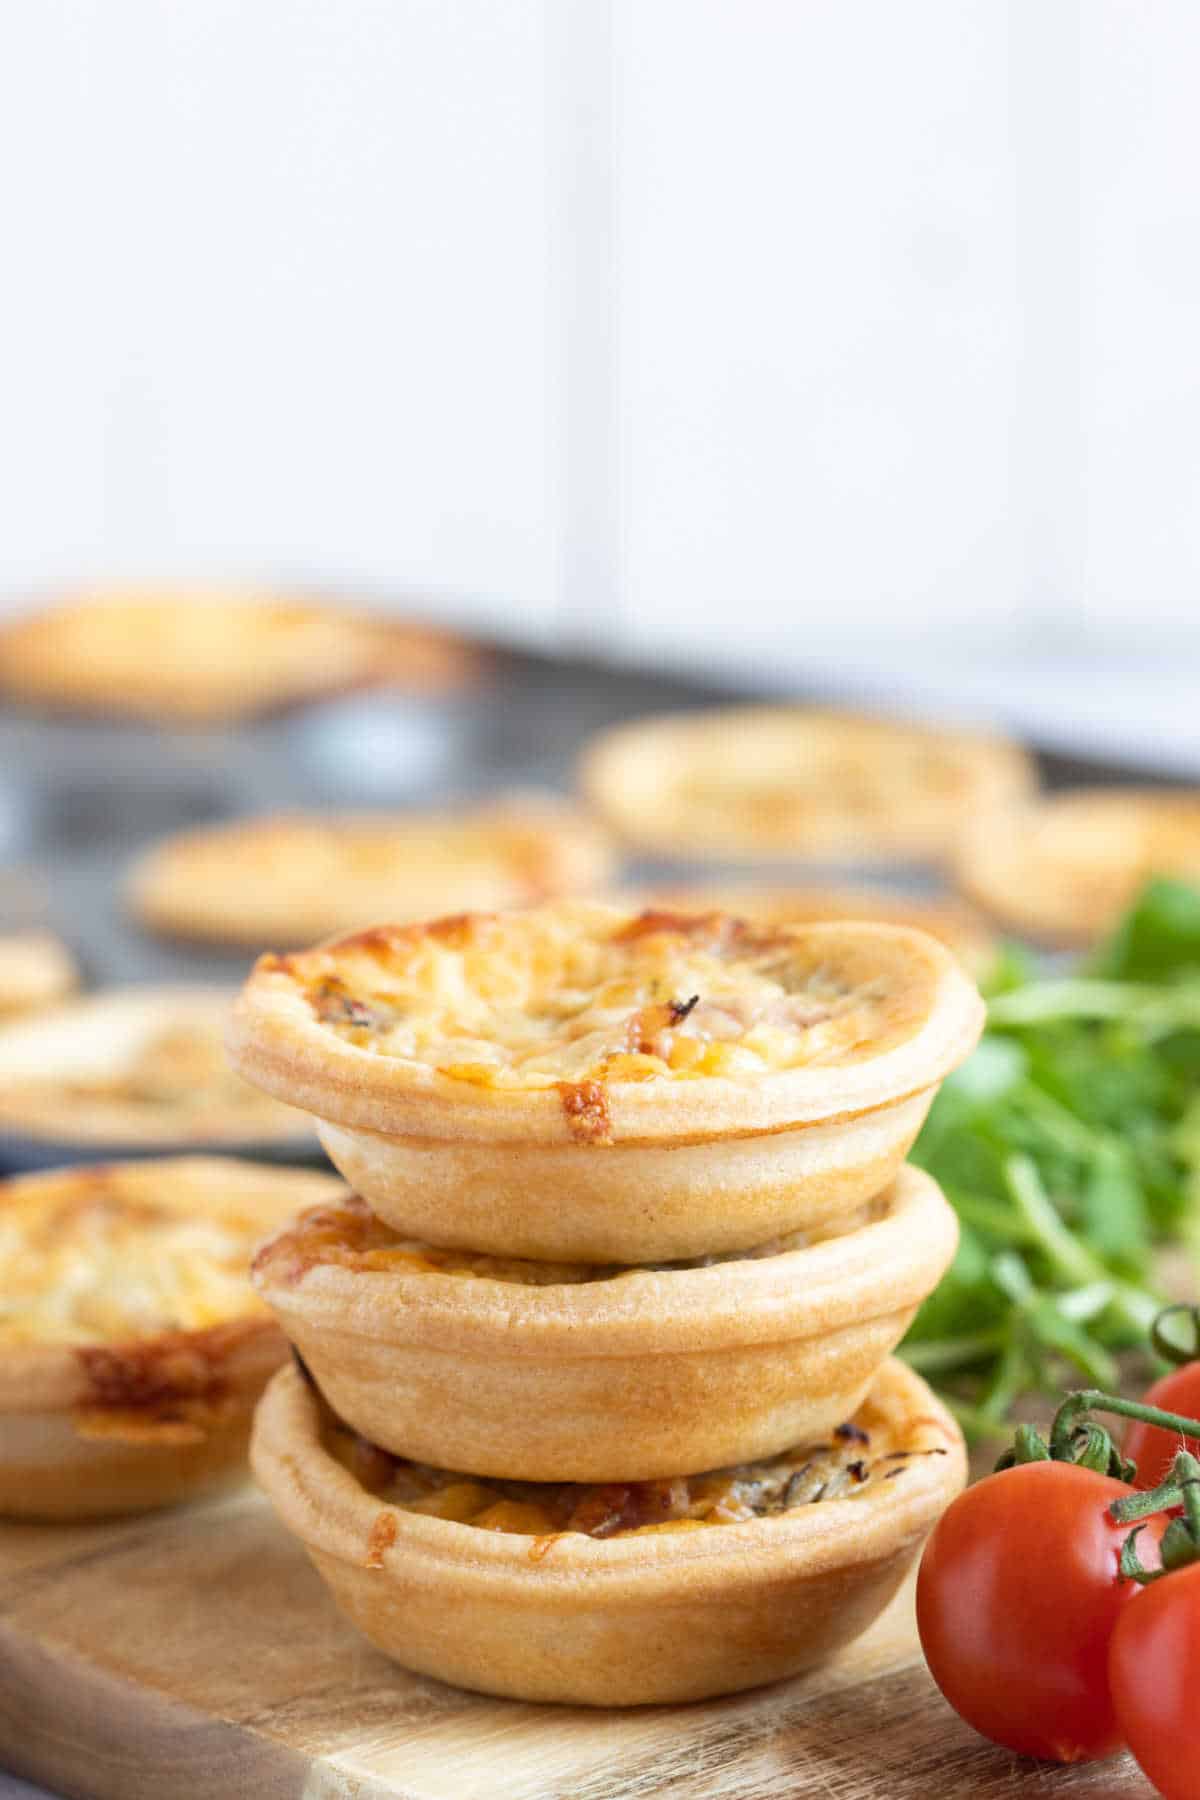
(132, 1346)
(36, 969)
(140, 1069)
(771, 782)
(1064, 867)
(290, 879)
(199, 656)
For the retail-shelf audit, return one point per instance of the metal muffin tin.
(80, 798)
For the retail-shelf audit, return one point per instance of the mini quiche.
(197, 657)
(546, 1371)
(771, 782)
(132, 1346)
(472, 1077)
(140, 1068)
(36, 970)
(288, 879)
(953, 923)
(619, 1594)
(1064, 869)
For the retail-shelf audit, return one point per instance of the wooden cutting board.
(195, 1653)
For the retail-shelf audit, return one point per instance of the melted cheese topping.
(100, 1255)
(578, 993)
(837, 1470)
(351, 1236)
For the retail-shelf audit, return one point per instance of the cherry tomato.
(1154, 1675)
(1016, 1600)
(1152, 1448)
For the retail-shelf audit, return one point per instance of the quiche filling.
(840, 1469)
(349, 1234)
(578, 994)
(105, 1255)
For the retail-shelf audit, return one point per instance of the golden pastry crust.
(953, 923)
(288, 879)
(141, 1067)
(198, 657)
(593, 1025)
(132, 1345)
(651, 1203)
(638, 1374)
(1064, 868)
(630, 1619)
(36, 969)
(778, 781)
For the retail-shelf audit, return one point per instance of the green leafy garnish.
(1070, 1146)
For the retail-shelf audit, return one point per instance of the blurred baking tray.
(79, 798)
(23, 1155)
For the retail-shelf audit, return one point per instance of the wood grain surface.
(195, 1654)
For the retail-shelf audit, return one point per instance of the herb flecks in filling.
(334, 1004)
(763, 1490)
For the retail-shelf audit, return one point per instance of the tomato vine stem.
(1076, 1437)
(1070, 1418)
(1180, 1544)
(1165, 1347)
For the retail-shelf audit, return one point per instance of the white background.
(785, 335)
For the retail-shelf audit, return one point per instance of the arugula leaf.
(1114, 1212)
(1158, 939)
(1070, 1146)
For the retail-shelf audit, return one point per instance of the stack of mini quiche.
(592, 1398)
